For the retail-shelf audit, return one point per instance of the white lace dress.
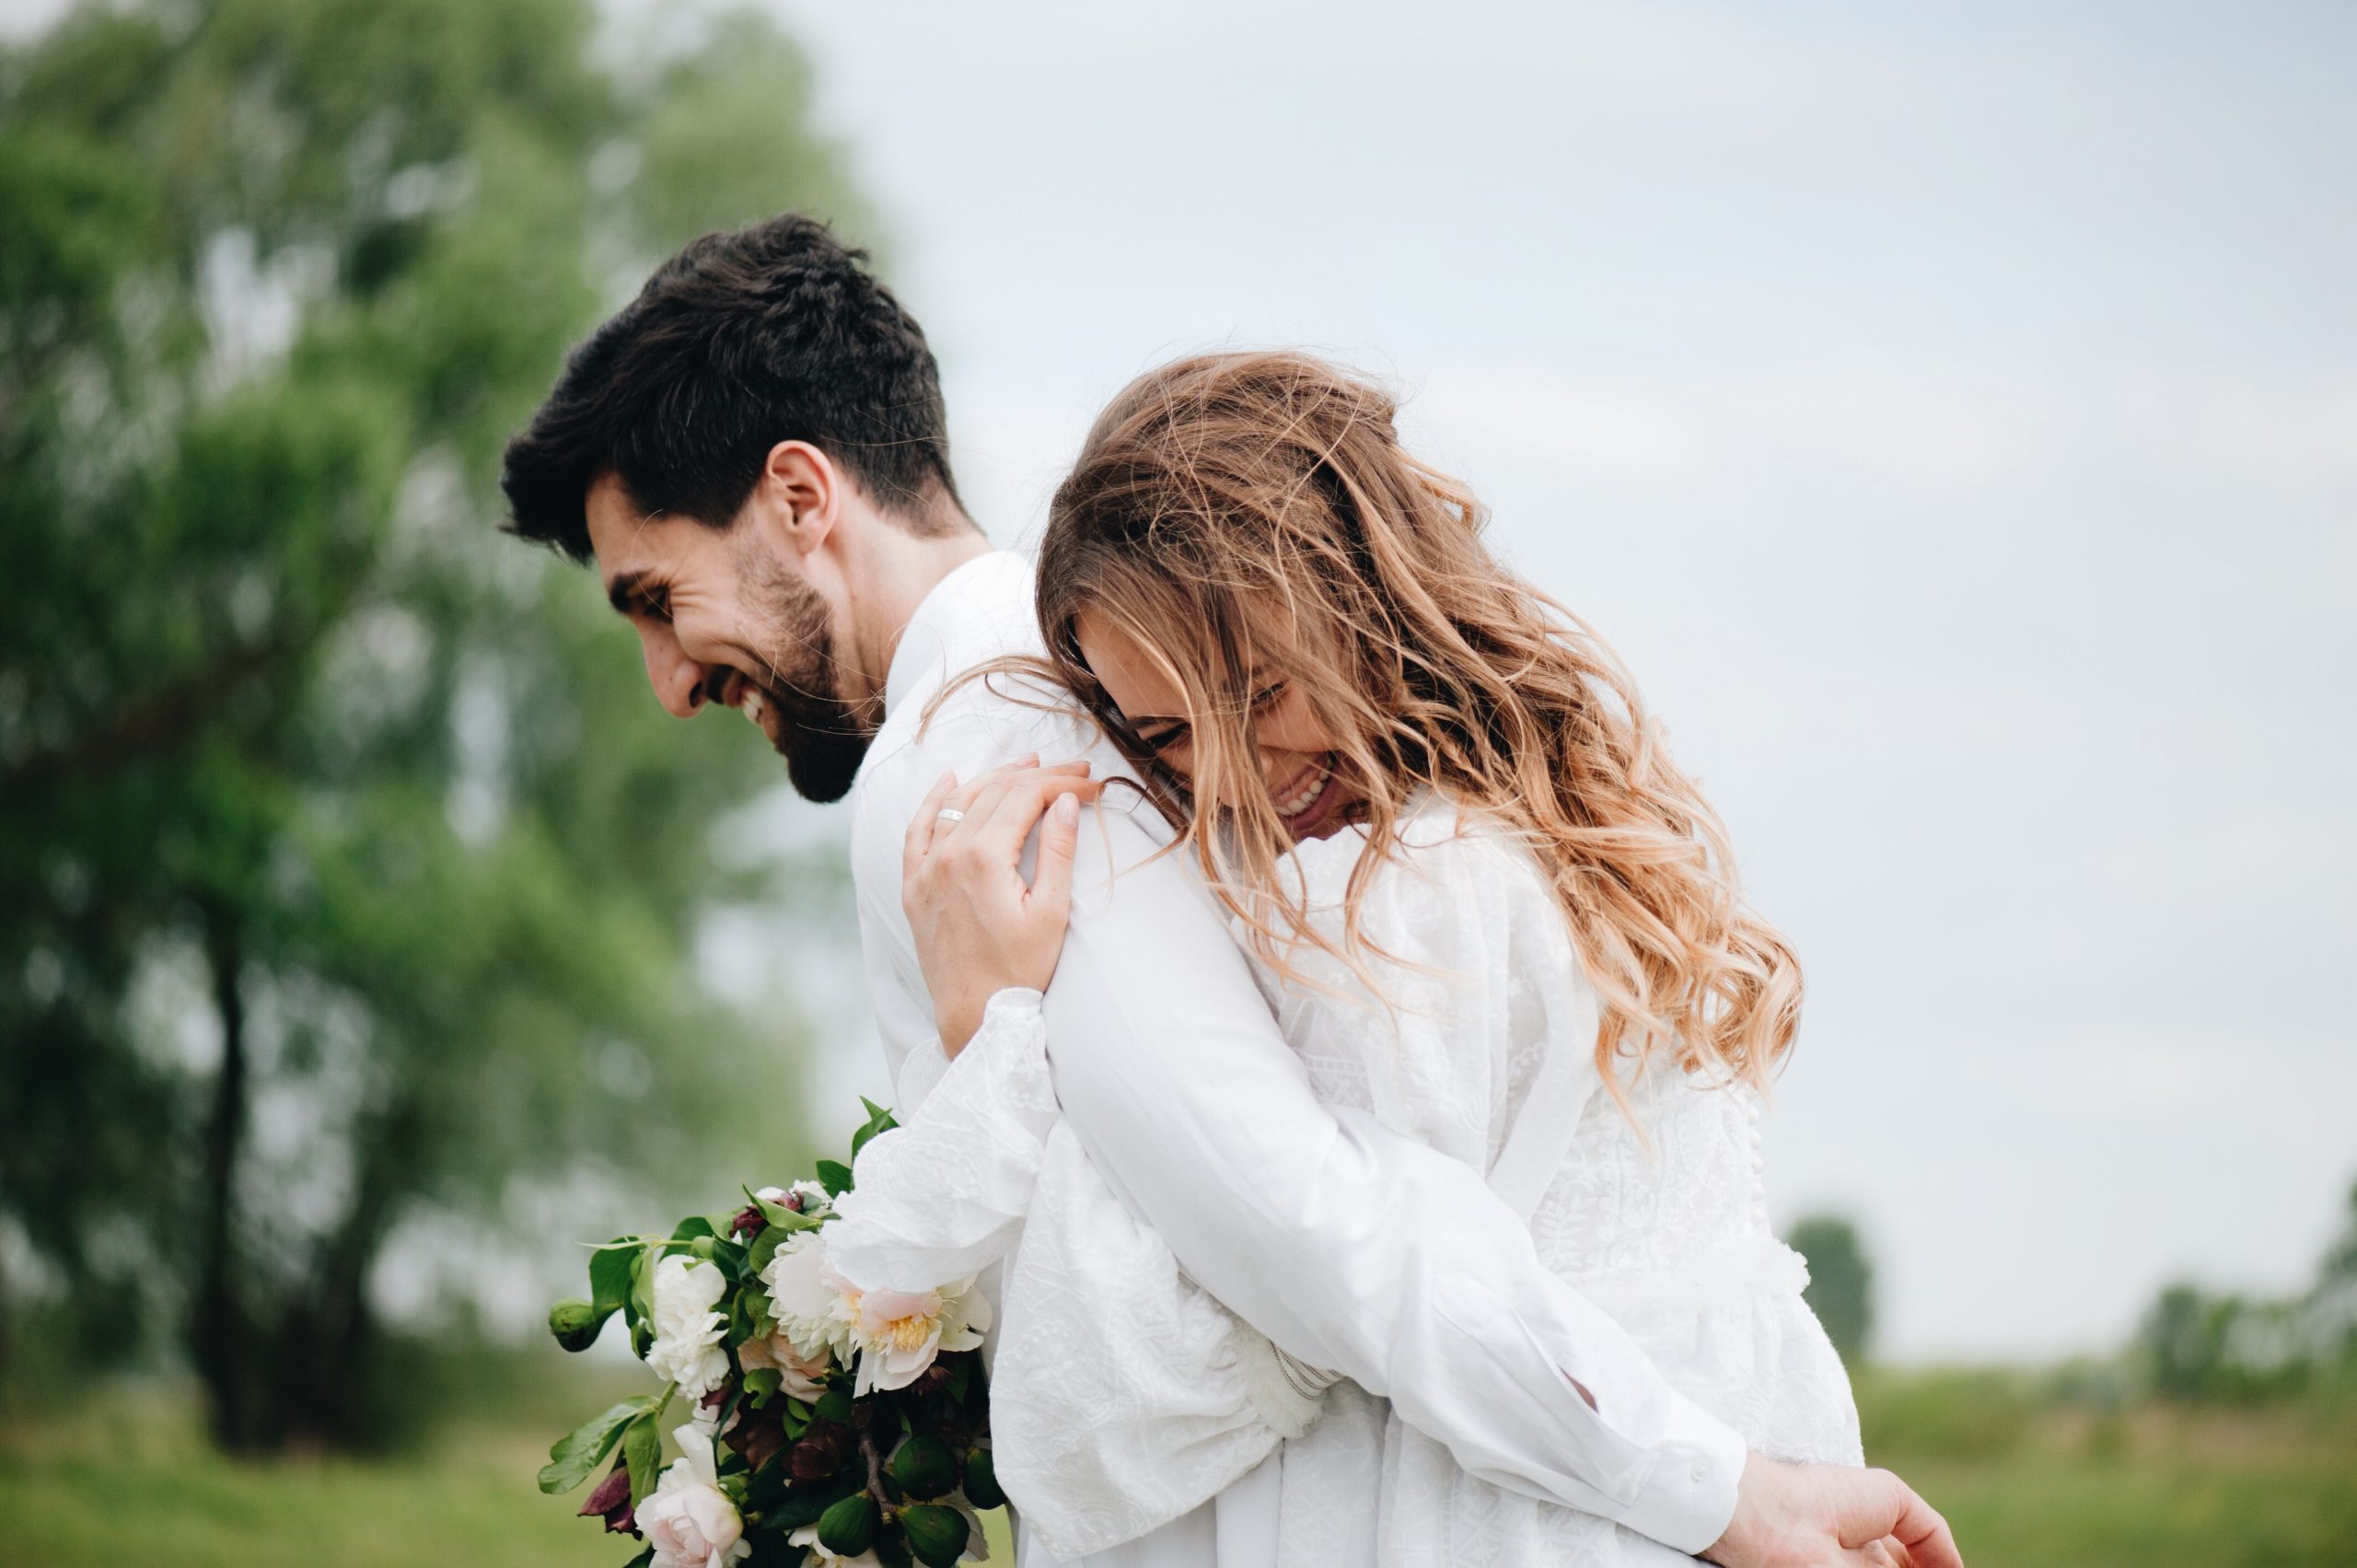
(1122, 1395)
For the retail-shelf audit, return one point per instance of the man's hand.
(1830, 1517)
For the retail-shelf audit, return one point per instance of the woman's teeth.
(752, 705)
(1294, 805)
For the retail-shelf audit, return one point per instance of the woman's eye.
(1267, 695)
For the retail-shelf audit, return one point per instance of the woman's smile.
(1308, 799)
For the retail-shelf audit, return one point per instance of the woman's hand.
(979, 928)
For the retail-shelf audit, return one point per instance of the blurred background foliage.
(350, 885)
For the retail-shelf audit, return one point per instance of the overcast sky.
(1950, 411)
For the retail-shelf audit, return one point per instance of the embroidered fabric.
(1489, 1051)
(1123, 1396)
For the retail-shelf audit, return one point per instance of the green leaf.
(642, 1451)
(834, 1405)
(642, 1290)
(644, 1560)
(809, 1502)
(761, 1383)
(778, 1213)
(768, 1486)
(687, 1233)
(584, 1448)
(796, 1417)
(764, 1247)
(611, 1269)
(835, 1177)
(879, 1119)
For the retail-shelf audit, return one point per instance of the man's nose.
(680, 683)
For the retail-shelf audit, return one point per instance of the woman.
(1486, 907)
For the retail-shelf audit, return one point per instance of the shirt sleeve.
(1122, 1395)
(945, 1193)
(1349, 1246)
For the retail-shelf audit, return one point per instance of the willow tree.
(348, 876)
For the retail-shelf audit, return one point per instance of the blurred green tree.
(1841, 1282)
(2196, 1345)
(349, 880)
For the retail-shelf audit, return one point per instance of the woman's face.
(1297, 756)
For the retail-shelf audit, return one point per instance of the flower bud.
(822, 1452)
(610, 1502)
(575, 1323)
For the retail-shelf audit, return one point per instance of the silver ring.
(950, 814)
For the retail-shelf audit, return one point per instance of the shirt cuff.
(925, 1068)
(1687, 1496)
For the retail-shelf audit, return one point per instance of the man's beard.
(820, 738)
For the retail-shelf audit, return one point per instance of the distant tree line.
(2191, 1343)
(2199, 1344)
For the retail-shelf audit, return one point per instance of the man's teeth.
(1295, 805)
(751, 706)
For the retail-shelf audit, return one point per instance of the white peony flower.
(894, 1335)
(799, 1375)
(687, 1331)
(688, 1520)
(803, 1294)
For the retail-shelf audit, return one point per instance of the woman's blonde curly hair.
(1237, 512)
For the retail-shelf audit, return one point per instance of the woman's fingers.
(1051, 896)
(999, 837)
(963, 799)
(918, 840)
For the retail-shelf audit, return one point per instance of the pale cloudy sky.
(1951, 412)
(1949, 409)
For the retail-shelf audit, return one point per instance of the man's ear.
(802, 494)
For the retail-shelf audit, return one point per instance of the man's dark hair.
(774, 332)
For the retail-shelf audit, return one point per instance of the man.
(755, 455)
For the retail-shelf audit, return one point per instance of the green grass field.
(130, 1481)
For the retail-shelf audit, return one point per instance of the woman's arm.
(1123, 1394)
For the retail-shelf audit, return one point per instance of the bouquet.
(819, 1423)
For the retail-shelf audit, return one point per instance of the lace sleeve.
(1122, 1395)
(944, 1195)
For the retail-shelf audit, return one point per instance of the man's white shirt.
(1348, 1247)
